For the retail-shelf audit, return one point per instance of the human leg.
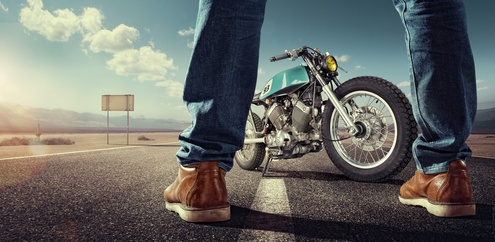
(444, 104)
(221, 80)
(443, 80)
(218, 91)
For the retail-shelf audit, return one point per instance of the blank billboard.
(117, 103)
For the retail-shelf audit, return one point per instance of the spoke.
(366, 157)
(377, 155)
(381, 107)
(383, 152)
(368, 101)
(349, 145)
(355, 149)
(361, 155)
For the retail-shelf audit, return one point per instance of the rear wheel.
(383, 147)
(251, 156)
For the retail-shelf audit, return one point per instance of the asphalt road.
(116, 195)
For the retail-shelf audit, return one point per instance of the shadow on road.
(305, 228)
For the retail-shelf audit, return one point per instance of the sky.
(58, 54)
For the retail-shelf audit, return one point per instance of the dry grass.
(15, 141)
(144, 138)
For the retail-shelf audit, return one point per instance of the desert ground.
(83, 142)
(483, 145)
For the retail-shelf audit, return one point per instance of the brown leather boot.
(447, 194)
(199, 193)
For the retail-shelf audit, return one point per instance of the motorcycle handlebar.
(289, 54)
(279, 57)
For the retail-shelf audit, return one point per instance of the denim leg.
(221, 80)
(443, 80)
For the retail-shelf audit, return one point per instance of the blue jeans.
(222, 77)
(221, 80)
(443, 83)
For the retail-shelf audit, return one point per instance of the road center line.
(80, 151)
(270, 218)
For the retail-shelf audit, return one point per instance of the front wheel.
(383, 147)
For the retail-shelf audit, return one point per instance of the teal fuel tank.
(285, 82)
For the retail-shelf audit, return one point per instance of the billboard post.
(117, 103)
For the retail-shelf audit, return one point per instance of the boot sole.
(441, 210)
(196, 215)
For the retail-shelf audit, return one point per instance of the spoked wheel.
(251, 156)
(383, 114)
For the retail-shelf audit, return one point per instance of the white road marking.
(82, 151)
(270, 218)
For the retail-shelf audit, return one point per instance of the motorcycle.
(365, 124)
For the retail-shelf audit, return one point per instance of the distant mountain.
(18, 118)
(486, 105)
(485, 121)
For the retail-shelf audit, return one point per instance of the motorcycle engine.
(277, 115)
(301, 115)
(293, 135)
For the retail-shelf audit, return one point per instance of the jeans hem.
(221, 164)
(429, 171)
(435, 170)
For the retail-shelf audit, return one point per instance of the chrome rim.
(374, 146)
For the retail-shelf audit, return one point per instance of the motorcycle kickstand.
(267, 166)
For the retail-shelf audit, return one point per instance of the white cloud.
(261, 71)
(58, 27)
(119, 39)
(404, 84)
(190, 44)
(186, 32)
(343, 58)
(359, 67)
(4, 8)
(147, 64)
(483, 88)
(173, 88)
(91, 20)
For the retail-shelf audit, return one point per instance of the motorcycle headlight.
(329, 63)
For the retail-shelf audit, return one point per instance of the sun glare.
(2, 79)
(2, 85)
(7, 89)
